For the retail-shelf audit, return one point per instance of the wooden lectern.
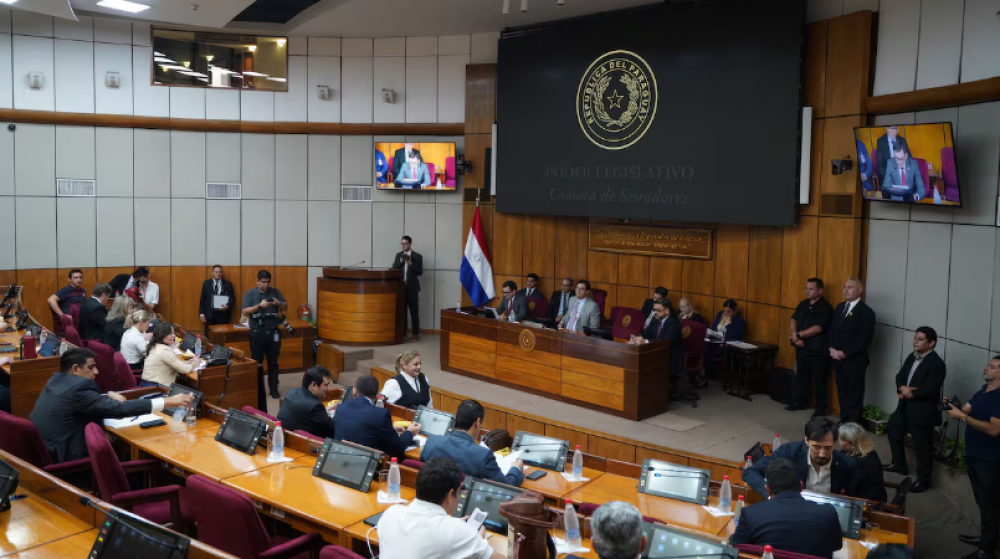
(361, 306)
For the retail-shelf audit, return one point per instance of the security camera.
(841, 165)
(11, 127)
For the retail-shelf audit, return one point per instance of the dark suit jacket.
(867, 482)
(735, 330)
(883, 154)
(471, 458)
(113, 332)
(841, 469)
(554, 303)
(538, 293)
(927, 381)
(671, 331)
(301, 411)
(67, 404)
(894, 176)
(359, 421)
(790, 523)
(205, 305)
(93, 317)
(853, 334)
(415, 271)
(520, 307)
(399, 158)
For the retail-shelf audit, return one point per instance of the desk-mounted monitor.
(849, 511)
(673, 481)
(241, 431)
(663, 542)
(487, 497)
(125, 536)
(347, 464)
(540, 451)
(434, 422)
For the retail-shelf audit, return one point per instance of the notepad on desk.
(130, 421)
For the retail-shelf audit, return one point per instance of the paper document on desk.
(130, 421)
(507, 462)
(713, 334)
(219, 301)
(742, 345)
(418, 442)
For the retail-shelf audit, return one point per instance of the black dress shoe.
(892, 468)
(920, 487)
(795, 407)
(970, 540)
(979, 554)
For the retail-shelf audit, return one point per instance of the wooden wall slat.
(539, 246)
(475, 152)
(633, 269)
(849, 59)
(786, 353)
(814, 68)
(762, 324)
(36, 287)
(480, 98)
(698, 276)
(571, 247)
(798, 259)
(574, 437)
(614, 450)
(838, 141)
(765, 264)
(602, 267)
(732, 253)
(508, 230)
(293, 282)
(632, 297)
(185, 294)
(838, 254)
(105, 275)
(667, 272)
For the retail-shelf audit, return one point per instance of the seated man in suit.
(303, 409)
(93, 314)
(903, 180)
(819, 466)
(616, 531)
(71, 400)
(665, 326)
(532, 289)
(583, 311)
(787, 521)
(560, 300)
(460, 446)
(659, 294)
(402, 156)
(360, 421)
(414, 174)
(513, 306)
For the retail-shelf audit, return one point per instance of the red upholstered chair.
(337, 552)
(162, 505)
(20, 437)
(73, 337)
(431, 168)
(104, 357)
(390, 178)
(124, 376)
(926, 175)
(305, 434)
(65, 320)
(57, 326)
(626, 322)
(587, 509)
(693, 339)
(411, 463)
(758, 550)
(875, 170)
(228, 520)
(538, 307)
(257, 412)
(450, 176)
(949, 175)
(74, 312)
(600, 296)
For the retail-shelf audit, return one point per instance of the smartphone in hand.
(477, 518)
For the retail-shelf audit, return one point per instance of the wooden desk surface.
(73, 547)
(611, 487)
(554, 486)
(134, 433)
(230, 328)
(197, 452)
(292, 488)
(33, 521)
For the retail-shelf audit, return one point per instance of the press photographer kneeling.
(982, 456)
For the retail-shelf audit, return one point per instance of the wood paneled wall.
(180, 287)
(763, 268)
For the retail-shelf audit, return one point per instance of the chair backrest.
(693, 336)
(389, 160)
(948, 174)
(20, 437)
(227, 519)
(305, 434)
(337, 552)
(600, 296)
(411, 463)
(73, 337)
(449, 171)
(108, 470)
(431, 168)
(65, 320)
(104, 357)
(257, 412)
(758, 550)
(587, 509)
(626, 321)
(74, 312)
(123, 373)
(926, 175)
(57, 326)
(538, 307)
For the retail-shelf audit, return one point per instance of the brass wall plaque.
(652, 240)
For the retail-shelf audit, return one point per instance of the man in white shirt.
(148, 291)
(425, 529)
(583, 311)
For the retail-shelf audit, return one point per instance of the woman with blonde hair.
(409, 388)
(136, 338)
(688, 311)
(867, 480)
(114, 326)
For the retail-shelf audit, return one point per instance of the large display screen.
(911, 164)
(415, 166)
(681, 111)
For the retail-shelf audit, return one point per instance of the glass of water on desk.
(383, 484)
(871, 534)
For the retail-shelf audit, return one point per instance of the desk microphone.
(355, 264)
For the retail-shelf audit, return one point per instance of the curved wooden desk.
(360, 306)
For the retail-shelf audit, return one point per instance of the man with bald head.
(850, 335)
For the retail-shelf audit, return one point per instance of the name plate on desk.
(649, 239)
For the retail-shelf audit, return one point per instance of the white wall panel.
(387, 229)
(447, 230)
(298, 46)
(223, 231)
(965, 369)
(74, 76)
(454, 44)
(36, 240)
(187, 237)
(222, 104)
(258, 233)
(114, 161)
(33, 54)
(291, 233)
(149, 100)
(152, 217)
(970, 291)
(980, 40)
(818, 10)
(151, 178)
(447, 293)
(291, 106)
(75, 152)
(995, 319)
(35, 160)
(187, 102)
(390, 46)
(187, 164)
(116, 31)
(451, 88)
(390, 73)
(258, 166)
(4, 20)
(324, 168)
(113, 247)
(257, 106)
(82, 30)
(31, 23)
(324, 46)
(926, 276)
(419, 224)
(484, 48)
(421, 46)
(6, 73)
(357, 160)
(291, 166)
(355, 233)
(324, 70)
(940, 42)
(978, 138)
(428, 286)
(76, 232)
(886, 358)
(899, 31)
(113, 58)
(357, 47)
(358, 80)
(6, 162)
(421, 89)
(324, 233)
(222, 158)
(8, 258)
(141, 34)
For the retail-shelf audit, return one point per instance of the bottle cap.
(578, 447)
(768, 549)
(725, 477)
(569, 501)
(748, 456)
(777, 435)
(740, 498)
(393, 460)
(277, 423)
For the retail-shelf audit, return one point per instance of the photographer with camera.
(264, 305)
(982, 457)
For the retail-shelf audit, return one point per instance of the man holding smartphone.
(264, 306)
(412, 265)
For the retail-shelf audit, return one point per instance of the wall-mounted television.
(908, 164)
(415, 166)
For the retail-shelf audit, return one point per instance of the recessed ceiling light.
(189, 73)
(237, 76)
(281, 42)
(277, 79)
(252, 48)
(245, 73)
(209, 57)
(172, 67)
(123, 5)
(158, 53)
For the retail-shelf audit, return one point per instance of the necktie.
(216, 288)
(847, 309)
(660, 329)
(571, 324)
(565, 301)
(902, 175)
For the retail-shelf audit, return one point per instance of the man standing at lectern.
(412, 265)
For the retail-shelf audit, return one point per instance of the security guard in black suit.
(216, 286)
(412, 265)
(265, 305)
(850, 335)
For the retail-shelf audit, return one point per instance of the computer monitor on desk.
(849, 511)
(540, 451)
(124, 536)
(487, 497)
(673, 481)
(664, 542)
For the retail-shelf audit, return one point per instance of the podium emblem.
(626, 320)
(526, 340)
(685, 332)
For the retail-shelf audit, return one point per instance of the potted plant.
(875, 419)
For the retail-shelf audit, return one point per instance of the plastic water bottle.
(937, 196)
(578, 463)
(572, 526)
(192, 416)
(748, 464)
(197, 346)
(458, 306)
(768, 552)
(380, 401)
(739, 509)
(277, 442)
(726, 495)
(776, 443)
(394, 481)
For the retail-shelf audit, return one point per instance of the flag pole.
(478, 194)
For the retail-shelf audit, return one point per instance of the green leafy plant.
(959, 463)
(877, 416)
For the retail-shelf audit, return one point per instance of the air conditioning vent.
(356, 193)
(75, 187)
(223, 191)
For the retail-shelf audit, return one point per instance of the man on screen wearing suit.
(513, 307)
(884, 148)
(412, 265)
(850, 335)
(583, 311)
(402, 156)
(903, 180)
(560, 300)
(413, 175)
(918, 387)
(214, 287)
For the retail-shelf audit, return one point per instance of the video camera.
(945, 404)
